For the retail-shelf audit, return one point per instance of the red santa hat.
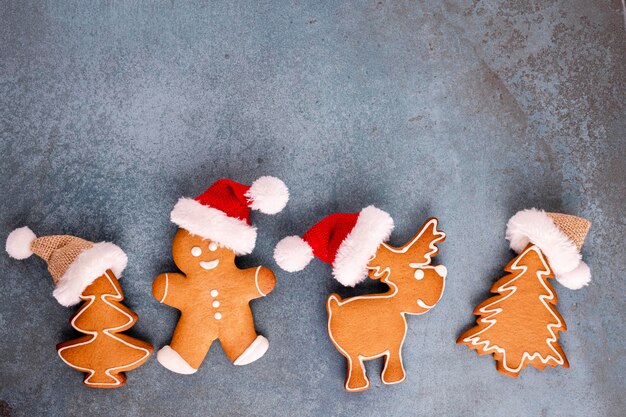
(347, 241)
(559, 236)
(222, 212)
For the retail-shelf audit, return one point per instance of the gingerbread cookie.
(374, 325)
(213, 295)
(86, 271)
(106, 352)
(520, 325)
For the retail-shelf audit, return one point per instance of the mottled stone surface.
(467, 110)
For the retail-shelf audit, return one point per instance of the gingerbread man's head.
(194, 254)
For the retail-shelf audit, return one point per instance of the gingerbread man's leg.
(190, 344)
(239, 339)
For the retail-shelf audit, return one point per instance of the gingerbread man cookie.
(86, 271)
(520, 325)
(374, 325)
(213, 295)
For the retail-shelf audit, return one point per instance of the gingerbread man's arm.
(166, 289)
(258, 282)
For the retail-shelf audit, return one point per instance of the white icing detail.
(442, 271)
(255, 351)
(215, 304)
(361, 357)
(419, 274)
(172, 360)
(196, 251)
(214, 293)
(212, 246)
(256, 281)
(167, 283)
(107, 332)
(218, 316)
(209, 265)
(475, 338)
(394, 287)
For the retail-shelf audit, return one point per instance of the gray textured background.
(467, 110)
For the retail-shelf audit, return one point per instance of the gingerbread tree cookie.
(86, 271)
(213, 295)
(374, 325)
(520, 325)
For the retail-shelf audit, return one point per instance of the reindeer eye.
(196, 251)
(419, 274)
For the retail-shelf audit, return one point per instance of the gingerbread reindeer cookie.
(213, 295)
(520, 325)
(374, 325)
(86, 271)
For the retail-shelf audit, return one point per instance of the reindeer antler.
(418, 251)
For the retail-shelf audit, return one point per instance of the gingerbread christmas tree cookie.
(212, 294)
(373, 325)
(520, 325)
(86, 271)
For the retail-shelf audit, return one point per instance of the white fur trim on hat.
(172, 360)
(268, 195)
(211, 223)
(18, 243)
(293, 253)
(536, 227)
(372, 228)
(576, 278)
(86, 268)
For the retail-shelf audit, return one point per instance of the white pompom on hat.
(559, 236)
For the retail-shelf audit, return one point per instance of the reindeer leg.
(393, 371)
(356, 379)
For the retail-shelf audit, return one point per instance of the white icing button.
(214, 293)
(196, 251)
(218, 316)
(213, 246)
(216, 304)
(419, 274)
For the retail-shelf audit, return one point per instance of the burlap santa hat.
(559, 236)
(347, 241)
(74, 263)
(222, 212)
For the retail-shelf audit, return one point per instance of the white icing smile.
(210, 265)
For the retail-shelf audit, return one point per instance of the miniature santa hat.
(222, 212)
(347, 241)
(559, 236)
(74, 263)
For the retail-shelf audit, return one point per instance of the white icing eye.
(212, 246)
(419, 274)
(196, 251)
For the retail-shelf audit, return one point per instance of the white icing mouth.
(210, 265)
